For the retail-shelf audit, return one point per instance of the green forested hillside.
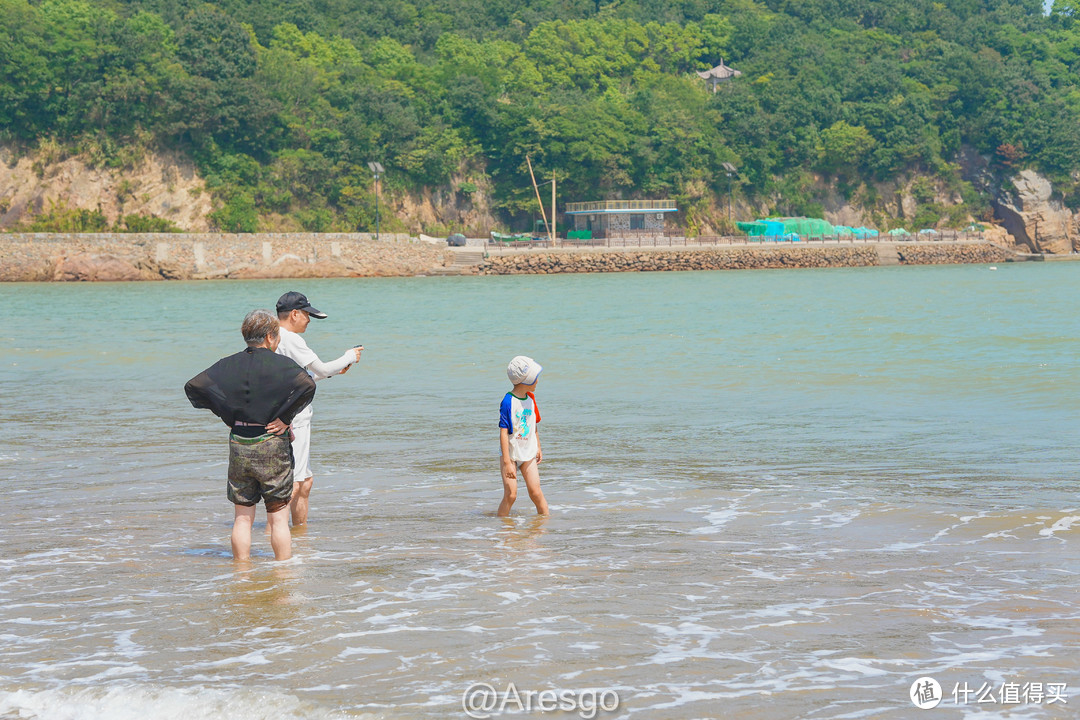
(282, 103)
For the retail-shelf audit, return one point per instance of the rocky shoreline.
(594, 261)
(736, 258)
(115, 257)
(934, 254)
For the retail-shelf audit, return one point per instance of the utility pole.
(731, 172)
(377, 170)
(554, 226)
(543, 213)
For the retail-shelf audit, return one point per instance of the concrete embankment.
(72, 257)
(180, 256)
(736, 258)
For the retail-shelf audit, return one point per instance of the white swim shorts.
(301, 449)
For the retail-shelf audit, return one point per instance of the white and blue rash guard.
(519, 416)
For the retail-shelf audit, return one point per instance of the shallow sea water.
(774, 495)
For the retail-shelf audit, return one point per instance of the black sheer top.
(254, 386)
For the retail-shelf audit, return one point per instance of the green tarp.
(517, 237)
(795, 228)
(784, 226)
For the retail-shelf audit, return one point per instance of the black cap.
(297, 301)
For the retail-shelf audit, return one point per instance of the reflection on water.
(260, 594)
(773, 495)
(522, 535)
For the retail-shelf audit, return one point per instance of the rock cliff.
(162, 184)
(1034, 217)
(165, 184)
(1026, 205)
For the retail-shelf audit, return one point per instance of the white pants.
(301, 450)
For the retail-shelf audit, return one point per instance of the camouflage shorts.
(260, 468)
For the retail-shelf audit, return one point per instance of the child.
(518, 418)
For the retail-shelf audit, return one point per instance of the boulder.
(1035, 218)
(103, 268)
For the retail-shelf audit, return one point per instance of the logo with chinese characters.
(1012, 693)
(925, 693)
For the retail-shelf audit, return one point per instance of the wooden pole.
(554, 225)
(543, 214)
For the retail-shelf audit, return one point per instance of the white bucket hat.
(523, 370)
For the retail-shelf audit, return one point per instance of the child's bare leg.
(531, 474)
(509, 496)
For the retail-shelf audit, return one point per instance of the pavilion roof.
(720, 72)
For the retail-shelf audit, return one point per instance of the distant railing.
(670, 239)
(623, 206)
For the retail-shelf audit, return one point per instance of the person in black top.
(257, 393)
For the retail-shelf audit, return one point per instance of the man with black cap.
(257, 393)
(294, 314)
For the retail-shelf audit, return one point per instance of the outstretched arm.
(322, 370)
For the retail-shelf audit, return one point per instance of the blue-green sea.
(775, 494)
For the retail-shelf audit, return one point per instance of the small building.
(621, 219)
(719, 74)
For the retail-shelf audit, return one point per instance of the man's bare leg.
(298, 504)
(280, 539)
(243, 519)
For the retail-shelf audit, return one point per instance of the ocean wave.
(138, 702)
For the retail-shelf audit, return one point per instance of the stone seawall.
(544, 262)
(588, 261)
(71, 257)
(935, 254)
(182, 256)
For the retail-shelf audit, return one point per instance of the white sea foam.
(717, 520)
(126, 647)
(862, 666)
(836, 519)
(138, 702)
(1061, 525)
(255, 657)
(349, 652)
(1014, 627)
(605, 492)
(764, 575)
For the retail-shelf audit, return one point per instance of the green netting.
(753, 229)
(805, 226)
(795, 228)
(784, 226)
